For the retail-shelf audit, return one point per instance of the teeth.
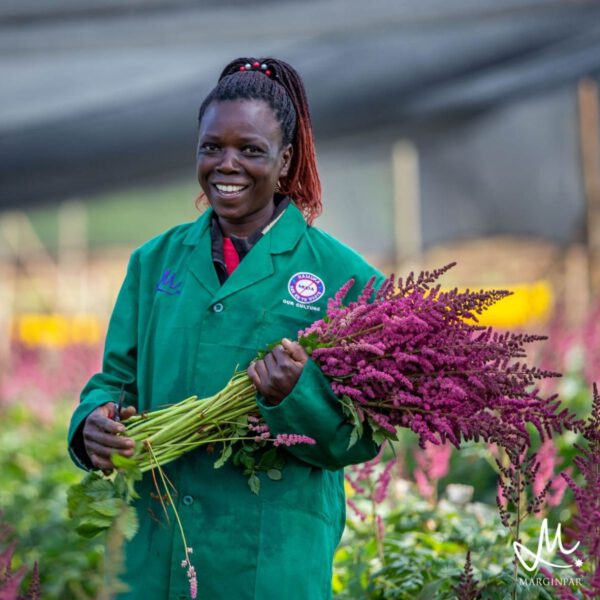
(229, 188)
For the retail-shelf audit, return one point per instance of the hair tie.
(256, 66)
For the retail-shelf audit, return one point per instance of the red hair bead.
(267, 72)
(256, 65)
(242, 68)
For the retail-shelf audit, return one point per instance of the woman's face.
(240, 160)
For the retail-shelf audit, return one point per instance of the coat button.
(188, 500)
(218, 307)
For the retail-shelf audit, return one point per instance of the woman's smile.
(230, 190)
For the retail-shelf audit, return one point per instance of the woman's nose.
(228, 162)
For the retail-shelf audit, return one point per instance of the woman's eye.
(208, 147)
(252, 150)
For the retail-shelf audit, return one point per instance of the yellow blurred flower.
(530, 302)
(57, 330)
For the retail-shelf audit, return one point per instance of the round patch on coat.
(306, 287)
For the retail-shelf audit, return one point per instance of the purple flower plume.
(291, 439)
(415, 357)
(586, 524)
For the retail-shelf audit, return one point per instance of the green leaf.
(380, 435)
(268, 459)
(254, 483)
(350, 411)
(274, 474)
(100, 489)
(108, 508)
(236, 457)
(430, 590)
(122, 462)
(224, 457)
(120, 484)
(89, 531)
(353, 438)
(128, 523)
(77, 501)
(127, 466)
(91, 526)
(309, 342)
(247, 461)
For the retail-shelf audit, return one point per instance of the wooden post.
(23, 244)
(7, 298)
(72, 257)
(589, 136)
(407, 205)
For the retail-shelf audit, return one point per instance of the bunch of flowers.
(415, 357)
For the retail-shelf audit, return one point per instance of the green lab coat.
(176, 332)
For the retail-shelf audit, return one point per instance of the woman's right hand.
(100, 435)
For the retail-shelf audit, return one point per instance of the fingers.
(295, 350)
(101, 418)
(101, 436)
(105, 464)
(253, 375)
(127, 412)
(108, 440)
(276, 374)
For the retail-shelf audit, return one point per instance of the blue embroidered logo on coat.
(306, 287)
(167, 284)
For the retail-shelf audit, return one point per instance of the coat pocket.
(296, 554)
(277, 325)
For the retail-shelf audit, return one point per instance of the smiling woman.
(201, 300)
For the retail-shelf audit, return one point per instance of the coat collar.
(258, 265)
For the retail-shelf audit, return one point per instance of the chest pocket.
(276, 325)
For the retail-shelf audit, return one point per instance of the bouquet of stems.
(415, 357)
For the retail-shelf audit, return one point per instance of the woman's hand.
(277, 373)
(100, 435)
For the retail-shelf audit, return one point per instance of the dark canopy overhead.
(104, 93)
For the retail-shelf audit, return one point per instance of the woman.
(202, 299)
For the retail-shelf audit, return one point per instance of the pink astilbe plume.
(545, 476)
(433, 463)
(415, 357)
(370, 482)
(586, 523)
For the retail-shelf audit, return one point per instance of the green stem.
(162, 476)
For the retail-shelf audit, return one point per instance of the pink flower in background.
(433, 463)
(357, 511)
(40, 377)
(423, 485)
(557, 489)
(380, 528)
(546, 457)
(548, 461)
(383, 483)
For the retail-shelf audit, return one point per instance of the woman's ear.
(286, 156)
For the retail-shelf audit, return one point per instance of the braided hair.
(282, 89)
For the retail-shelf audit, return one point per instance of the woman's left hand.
(277, 373)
